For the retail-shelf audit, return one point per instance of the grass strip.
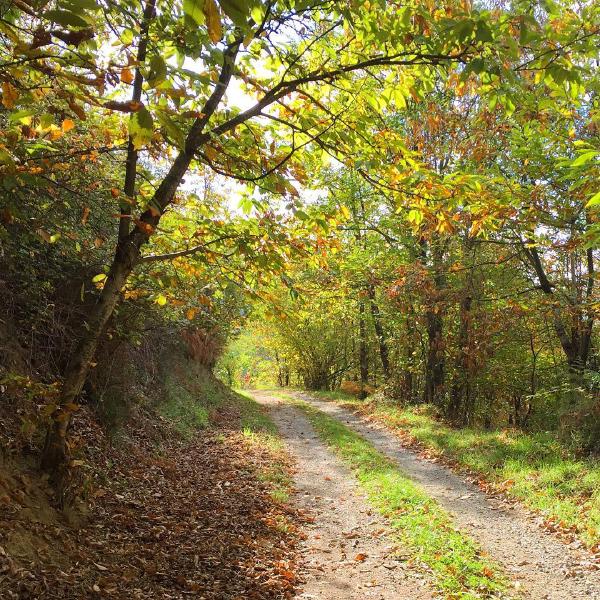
(534, 468)
(459, 568)
(259, 432)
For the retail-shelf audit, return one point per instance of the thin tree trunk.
(132, 154)
(362, 350)
(56, 453)
(380, 333)
(435, 364)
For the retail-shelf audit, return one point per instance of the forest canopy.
(399, 196)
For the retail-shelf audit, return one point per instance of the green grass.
(259, 431)
(534, 468)
(459, 568)
(187, 405)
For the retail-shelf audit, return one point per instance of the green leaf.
(158, 71)
(594, 200)
(21, 114)
(584, 158)
(237, 10)
(66, 18)
(257, 13)
(415, 216)
(75, 5)
(172, 129)
(141, 127)
(98, 278)
(193, 10)
(483, 32)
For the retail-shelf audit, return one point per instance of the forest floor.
(203, 515)
(353, 549)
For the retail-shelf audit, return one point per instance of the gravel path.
(542, 567)
(347, 554)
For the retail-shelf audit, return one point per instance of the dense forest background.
(399, 198)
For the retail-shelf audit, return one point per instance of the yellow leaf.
(161, 300)
(67, 125)
(344, 211)
(9, 94)
(213, 21)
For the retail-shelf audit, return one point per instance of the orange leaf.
(67, 125)
(126, 75)
(85, 215)
(9, 94)
(361, 557)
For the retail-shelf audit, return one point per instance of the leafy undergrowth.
(194, 515)
(534, 468)
(459, 568)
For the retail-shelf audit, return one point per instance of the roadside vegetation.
(534, 468)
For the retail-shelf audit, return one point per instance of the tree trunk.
(460, 407)
(55, 454)
(435, 364)
(380, 333)
(362, 350)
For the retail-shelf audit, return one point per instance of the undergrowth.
(460, 569)
(535, 468)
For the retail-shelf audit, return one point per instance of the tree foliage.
(452, 148)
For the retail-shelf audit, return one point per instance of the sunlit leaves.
(141, 127)
(213, 20)
(237, 10)
(194, 10)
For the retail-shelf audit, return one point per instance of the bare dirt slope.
(542, 566)
(347, 554)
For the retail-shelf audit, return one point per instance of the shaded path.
(542, 567)
(344, 527)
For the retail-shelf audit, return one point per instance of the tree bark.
(132, 153)
(435, 364)
(380, 333)
(363, 357)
